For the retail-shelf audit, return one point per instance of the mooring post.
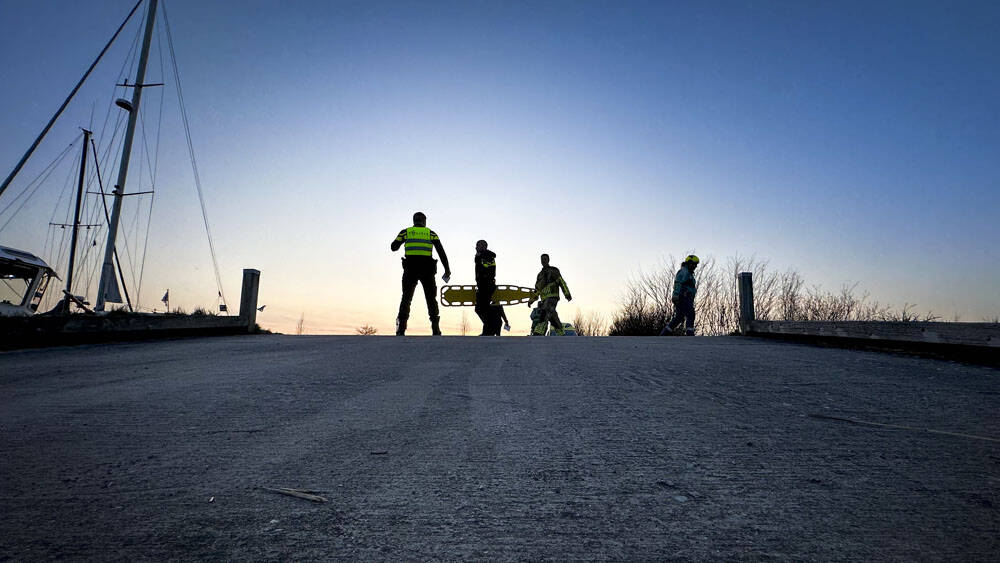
(747, 314)
(248, 299)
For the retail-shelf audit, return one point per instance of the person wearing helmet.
(685, 289)
(547, 286)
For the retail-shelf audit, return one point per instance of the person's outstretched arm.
(441, 254)
(398, 241)
(565, 289)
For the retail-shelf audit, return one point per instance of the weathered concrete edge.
(963, 334)
(35, 332)
(947, 350)
(964, 340)
(65, 330)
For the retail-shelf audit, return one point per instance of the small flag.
(166, 296)
(261, 308)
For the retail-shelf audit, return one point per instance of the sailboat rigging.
(33, 272)
(107, 288)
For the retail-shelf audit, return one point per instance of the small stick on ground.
(308, 495)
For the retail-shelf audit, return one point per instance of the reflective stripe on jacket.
(486, 266)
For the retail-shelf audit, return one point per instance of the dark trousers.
(683, 312)
(489, 314)
(423, 271)
(497, 319)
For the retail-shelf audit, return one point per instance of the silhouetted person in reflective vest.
(486, 285)
(547, 284)
(419, 265)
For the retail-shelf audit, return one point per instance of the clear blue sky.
(851, 141)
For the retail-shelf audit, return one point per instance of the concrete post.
(747, 314)
(248, 299)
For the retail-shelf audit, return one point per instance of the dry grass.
(590, 323)
(645, 307)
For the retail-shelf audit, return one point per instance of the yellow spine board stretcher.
(465, 295)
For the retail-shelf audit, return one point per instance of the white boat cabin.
(24, 278)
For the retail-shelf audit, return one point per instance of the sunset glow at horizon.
(852, 142)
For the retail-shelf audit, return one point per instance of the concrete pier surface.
(496, 449)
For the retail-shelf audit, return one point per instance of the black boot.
(436, 326)
(400, 327)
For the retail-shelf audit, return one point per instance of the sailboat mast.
(76, 219)
(104, 290)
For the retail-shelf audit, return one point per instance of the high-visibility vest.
(418, 241)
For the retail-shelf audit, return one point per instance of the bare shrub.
(300, 326)
(646, 307)
(366, 330)
(640, 314)
(907, 315)
(789, 295)
(717, 308)
(590, 323)
(463, 328)
(850, 305)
